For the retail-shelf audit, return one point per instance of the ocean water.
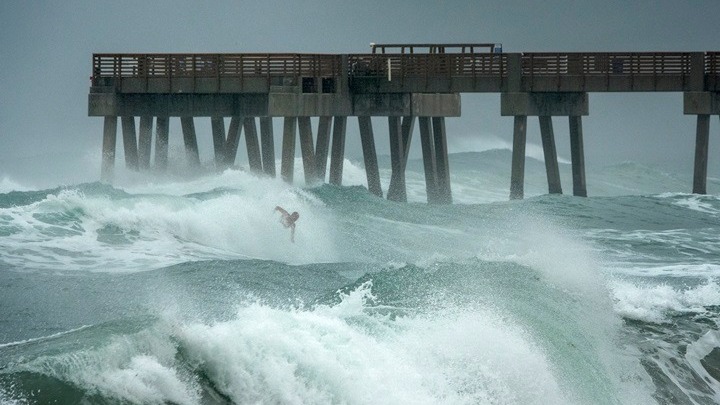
(168, 291)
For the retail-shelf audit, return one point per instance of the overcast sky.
(46, 137)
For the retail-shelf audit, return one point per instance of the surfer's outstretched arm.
(282, 211)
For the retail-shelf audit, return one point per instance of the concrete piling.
(427, 143)
(267, 146)
(338, 150)
(252, 145)
(108, 151)
(370, 156)
(577, 155)
(191, 146)
(161, 143)
(701, 154)
(550, 153)
(130, 142)
(396, 190)
(441, 161)
(322, 147)
(218, 135)
(517, 173)
(287, 165)
(145, 142)
(233, 140)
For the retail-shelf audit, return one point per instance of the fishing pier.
(407, 83)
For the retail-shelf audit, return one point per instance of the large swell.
(190, 292)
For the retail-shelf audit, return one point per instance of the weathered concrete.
(322, 147)
(267, 145)
(441, 160)
(577, 155)
(178, 105)
(427, 142)
(701, 103)
(252, 145)
(130, 142)
(145, 142)
(544, 104)
(287, 165)
(161, 143)
(308, 104)
(338, 150)
(550, 152)
(701, 154)
(218, 134)
(396, 190)
(307, 150)
(370, 156)
(190, 139)
(406, 104)
(517, 174)
(108, 151)
(233, 140)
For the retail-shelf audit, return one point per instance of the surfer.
(288, 221)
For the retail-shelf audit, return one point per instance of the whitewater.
(160, 290)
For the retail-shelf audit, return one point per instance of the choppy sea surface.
(167, 291)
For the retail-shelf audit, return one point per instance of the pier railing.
(670, 69)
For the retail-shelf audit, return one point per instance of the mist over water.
(168, 290)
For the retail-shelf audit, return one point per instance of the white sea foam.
(343, 354)
(655, 302)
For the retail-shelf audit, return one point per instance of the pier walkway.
(403, 82)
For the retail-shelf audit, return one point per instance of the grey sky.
(46, 136)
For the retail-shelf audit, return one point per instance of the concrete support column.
(701, 154)
(396, 191)
(218, 136)
(408, 124)
(161, 143)
(577, 154)
(550, 152)
(130, 142)
(145, 142)
(370, 156)
(517, 173)
(307, 150)
(233, 140)
(338, 150)
(441, 161)
(191, 146)
(253, 147)
(428, 150)
(322, 146)
(287, 164)
(268, 146)
(108, 148)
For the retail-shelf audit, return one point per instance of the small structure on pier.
(403, 82)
